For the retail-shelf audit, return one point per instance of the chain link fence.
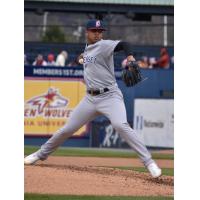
(156, 31)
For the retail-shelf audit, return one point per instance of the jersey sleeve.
(108, 46)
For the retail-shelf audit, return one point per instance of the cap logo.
(98, 24)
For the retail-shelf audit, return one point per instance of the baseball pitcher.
(103, 96)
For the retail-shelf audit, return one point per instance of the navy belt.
(95, 92)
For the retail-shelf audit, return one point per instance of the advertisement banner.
(154, 121)
(52, 71)
(48, 104)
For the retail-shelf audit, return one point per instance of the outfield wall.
(51, 94)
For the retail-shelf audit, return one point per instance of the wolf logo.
(51, 99)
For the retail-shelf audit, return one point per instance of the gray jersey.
(98, 73)
(99, 64)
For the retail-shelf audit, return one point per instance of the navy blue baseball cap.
(95, 24)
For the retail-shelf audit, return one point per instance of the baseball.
(80, 61)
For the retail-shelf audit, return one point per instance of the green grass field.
(86, 152)
(69, 197)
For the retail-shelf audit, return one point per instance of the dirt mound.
(56, 178)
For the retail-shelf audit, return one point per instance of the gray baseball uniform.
(98, 74)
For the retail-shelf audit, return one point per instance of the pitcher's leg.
(84, 112)
(115, 110)
(133, 140)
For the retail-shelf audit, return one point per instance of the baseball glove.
(131, 74)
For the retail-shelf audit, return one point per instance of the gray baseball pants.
(109, 104)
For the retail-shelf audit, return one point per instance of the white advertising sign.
(154, 121)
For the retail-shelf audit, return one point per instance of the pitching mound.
(49, 177)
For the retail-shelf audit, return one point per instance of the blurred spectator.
(144, 62)
(51, 60)
(61, 58)
(124, 62)
(39, 61)
(152, 62)
(25, 60)
(164, 60)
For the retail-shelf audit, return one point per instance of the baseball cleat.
(31, 159)
(154, 170)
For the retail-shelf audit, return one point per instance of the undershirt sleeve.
(124, 46)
